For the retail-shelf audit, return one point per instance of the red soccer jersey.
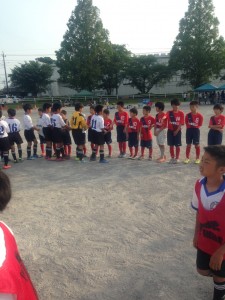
(217, 120)
(161, 120)
(193, 120)
(146, 124)
(175, 119)
(133, 125)
(121, 118)
(108, 124)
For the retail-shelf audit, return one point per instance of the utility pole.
(6, 80)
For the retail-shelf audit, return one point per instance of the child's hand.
(216, 261)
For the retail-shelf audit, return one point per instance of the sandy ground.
(121, 231)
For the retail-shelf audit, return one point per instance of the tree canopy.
(46, 60)
(84, 48)
(31, 77)
(198, 51)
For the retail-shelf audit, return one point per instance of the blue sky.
(32, 28)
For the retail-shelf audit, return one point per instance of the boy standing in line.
(47, 129)
(146, 124)
(108, 126)
(209, 202)
(160, 130)
(121, 121)
(4, 142)
(193, 121)
(216, 125)
(66, 135)
(175, 122)
(92, 112)
(40, 132)
(133, 129)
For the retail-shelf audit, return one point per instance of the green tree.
(198, 51)
(46, 60)
(84, 48)
(113, 70)
(144, 71)
(31, 77)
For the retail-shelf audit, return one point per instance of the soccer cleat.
(59, 159)
(176, 161)
(103, 161)
(15, 161)
(6, 167)
(150, 158)
(124, 155)
(197, 161)
(120, 155)
(92, 158)
(130, 157)
(171, 161)
(134, 157)
(82, 161)
(141, 157)
(36, 156)
(186, 161)
(30, 158)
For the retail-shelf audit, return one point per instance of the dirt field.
(120, 231)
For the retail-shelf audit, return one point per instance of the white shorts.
(161, 137)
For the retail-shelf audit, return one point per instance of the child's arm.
(197, 225)
(217, 258)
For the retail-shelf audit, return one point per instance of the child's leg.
(135, 151)
(142, 151)
(124, 147)
(197, 150)
(29, 149)
(120, 144)
(6, 158)
(150, 152)
(48, 149)
(219, 288)
(54, 148)
(80, 152)
(110, 149)
(84, 150)
(19, 151)
(162, 151)
(58, 148)
(69, 150)
(172, 155)
(188, 151)
(42, 148)
(35, 147)
(62, 149)
(13, 150)
(102, 155)
(177, 152)
(131, 151)
(66, 149)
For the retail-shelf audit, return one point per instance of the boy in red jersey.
(160, 130)
(216, 125)
(15, 282)
(121, 121)
(133, 129)
(146, 124)
(209, 202)
(193, 121)
(108, 126)
(175, 122)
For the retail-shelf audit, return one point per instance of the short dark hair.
(147, 108)
(175, 102)
(218, 153)
(11, 112)
(218, 106)
(64, 112)
(5, 191)
(92, 107)
(120, 103)
(106, 111)
(194, 102)
(40, 109)
(134, 110)
(56, 106)
(98, 108)
(27, 106)
(160, 105)
(78, 106)
(46, 106)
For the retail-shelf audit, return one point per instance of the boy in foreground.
(209, 202)
(133, 129)
(216, 125)
(15, 282)
(160, 130)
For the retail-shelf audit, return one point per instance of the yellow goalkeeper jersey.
(78, 121)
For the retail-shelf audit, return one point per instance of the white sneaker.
(124, 155)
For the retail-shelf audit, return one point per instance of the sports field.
(117, 231)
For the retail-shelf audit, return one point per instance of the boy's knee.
(204, 272)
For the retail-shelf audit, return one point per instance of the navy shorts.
(98, 138)
(57, 135)
(108, 138)
(146, 144)
(174, 140)
(132, 139)
(14, 137)
(215, 137)
(42, 139)
(48, 133)
(121, 135)
(66, 137)
(4, 144)
(193, 136)
(90, 131)
(29, 135)
(79, 137)
(203, 260)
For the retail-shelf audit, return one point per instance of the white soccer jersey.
(27, 121)
(14, 124)
(46, 120)
(40, 125)
(57, 121)
(97, 123)
(4, 129)
(209, 200)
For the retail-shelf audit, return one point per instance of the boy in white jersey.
(58, 124)
(209, 202)
(97, 125)
(14, 134)
(29, 132)
(47, 129)
(4, 142)
(40, 125)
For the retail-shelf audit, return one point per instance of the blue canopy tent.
(206, 88)
(206, 93)
(221, 88)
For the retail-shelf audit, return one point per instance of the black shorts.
(193, 136)
(215, 137)
(132, 139)
(14, 137)
(66, 137)
(90, 131)
(48, 133)
(42, 139)
(173, 140)
(108, 138)
(146, 144)
(202, 262)
(121, 135)
(29, 135)
(79, 136)
(57, 135)
(98, 138)
(4, 144)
